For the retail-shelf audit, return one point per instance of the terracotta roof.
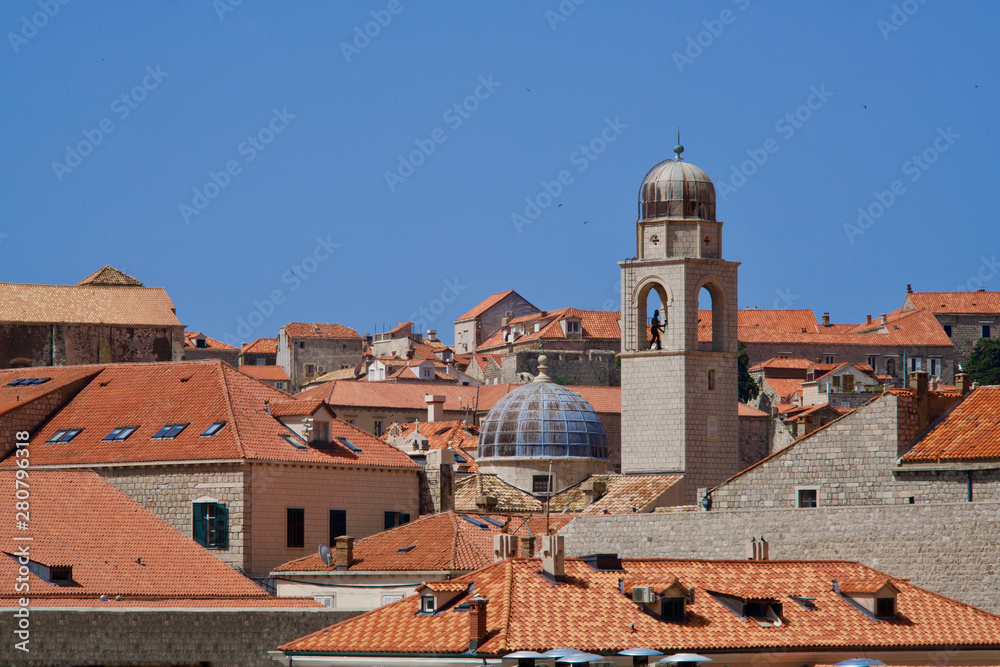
(109, 275)
(443, 434)
(955, 302)
(399, 327)
(969, 432)
(870, 585)
(484, 360)
(296, 408)
(339, 374)
(623, 492)
(509, 498)
(590, 613)
(198, 393)
(261, 346)
(791, 321)
(142, 559)
(444, 541)
(484, 305)
(268, 372)
(210, 343)
(745, 410)
(58, 378)
(314, 330)
(784, 387)
(776, 362)
(410, 395)
(86, 304)
(594, 324)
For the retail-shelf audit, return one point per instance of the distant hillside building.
(108, 317)
(199, 347)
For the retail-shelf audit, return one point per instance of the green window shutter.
(390, 520)
(199, 525)
(221, 525)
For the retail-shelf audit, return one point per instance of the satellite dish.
(326, 554)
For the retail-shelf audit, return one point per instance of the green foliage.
(560, 381)
(618, 361)
(984, 362)
(748, 389)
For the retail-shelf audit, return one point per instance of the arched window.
(652, 300)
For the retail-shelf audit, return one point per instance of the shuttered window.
(210, 524)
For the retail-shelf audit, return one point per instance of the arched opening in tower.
(711, 317)
(651, 317)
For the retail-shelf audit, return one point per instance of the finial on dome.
(542, 367)
(678, 149)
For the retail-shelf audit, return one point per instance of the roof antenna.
(678, 149)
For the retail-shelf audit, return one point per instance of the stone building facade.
(485, 319)
(575, 367)
(307, 350)
(965, 317)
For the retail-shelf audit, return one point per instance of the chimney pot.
(962, 383)
(528, 547)
(554, 557)
(435, 408)
(826, 319)
(909, 288)
(885, 319)
(344, 556)
(504, 546)
(477, 621)
(432, 334)
(869, 319)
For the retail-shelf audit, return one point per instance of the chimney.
(554, 557)
(477, 621)
(439, 477)
(826, 319)
(432, 335)
(918, 383)
(593, 489)
(486, 502)
(528, 547)
(435, 408)
(344, 557)
(504, 546)
(757, 550)
(505, 320)
(409, 354)
(885, 319)
(869, 319)
(962, 383)
(909, 288)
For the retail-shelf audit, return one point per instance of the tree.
(984, 362)
(748, 388)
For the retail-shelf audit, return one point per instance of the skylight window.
(120, 433)
(64, 435)
(350, 445)
(475, 522)
(406, 550)
(213, 428)
(169, 431)
(24, 382)
(498, 524)
(293, 441)
(806, 603)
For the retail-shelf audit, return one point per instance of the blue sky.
(257, 160)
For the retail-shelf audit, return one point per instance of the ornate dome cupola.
(677, 189)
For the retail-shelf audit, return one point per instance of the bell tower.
(679, 397)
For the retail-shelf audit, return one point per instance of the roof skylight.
(169, 431)
(120, 433)
(293, 441)
(64, 435)
(24, 382)
(212, 429)
(350, 445)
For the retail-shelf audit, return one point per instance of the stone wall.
(966, 330)
(323, 354)
(30, 415)
(231, 357)
(195, 637)
(855, 354)
(950, 549)
(755, 440)
(575, 366)
(72, 344)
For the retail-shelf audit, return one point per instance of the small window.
(200, 342)
(350, 445)
(338, 524)
(302, 345)
(986, 330)
(169, 432)
(829, 359)
(310, 369)
(292, 440)
(672, 609)
(64, 435)
(885, 607)
(393, 519)
(210, 524)
(212, 429)
(295, 522)
(326, 600)
(61, 574)
(713, 428)
(572, 327)
(711, 379)
(541, 484)
(25, 382)
(871, 362)
(808, 497)
(427, 604)
(120, 433)
(389, 599)
(947, 330)
(378, 428)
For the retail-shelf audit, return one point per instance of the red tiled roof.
(955, 302)
(443, 434)
(210, 343)
(117, 305)
(261, 346)
(320, 330)
(109, 275)
(622, 494)
(269, 372)
(784, 387)
(594, 324)
(744, 410)
(399, 327)
(198, 393)
(296, 408)
(484, 305)
(795, 363)
(443, 541)
(969, 432)
(59, 378)
(141, 558)
(525, 611)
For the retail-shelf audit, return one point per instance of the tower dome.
(677, 189)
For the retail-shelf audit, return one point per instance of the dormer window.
(427, 604)
(572, 326)
(876, 598)
(672, 609)
(885, 607)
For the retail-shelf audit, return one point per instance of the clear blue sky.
(331, 113)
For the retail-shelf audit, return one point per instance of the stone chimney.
(869, 319)
(432, 335)
(504, 546)
(593, 489)
(435, 408)
(344, 555)
(528, 546)
(437, 492)
(919, 384)
(554, 557)
(962, 383)
(757, 550)
(885, 319)
(409, 354)
(477, 622)
(826, 319)
(909, 288)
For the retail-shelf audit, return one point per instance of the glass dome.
(544, 420)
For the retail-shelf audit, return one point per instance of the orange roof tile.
(744, 410)
(442, 434)
(142, 559)
(444, 541)
(109, 275)
(269, 372)
(969, 431)
(86, 304)
(775, 362)
(210, 343)
(784, 387)
(197, 393)
(318, 330)
(622, 494)
(484, 305)
(955, 302)
(594, 324)
(261, 346)
(525, 611)
(296, 408)
(58, 378)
